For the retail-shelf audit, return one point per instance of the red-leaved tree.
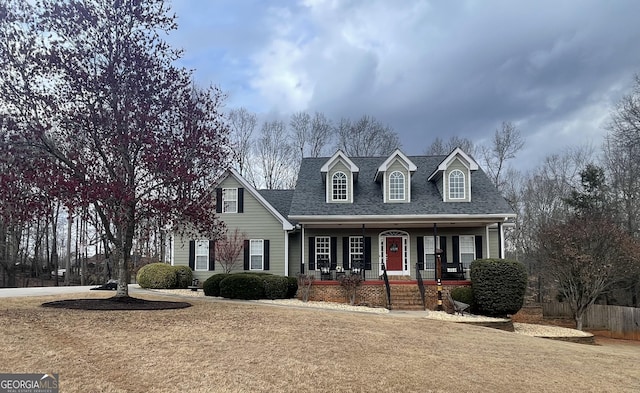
(107, 118)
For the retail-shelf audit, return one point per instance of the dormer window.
(456, 184)
(396, 186)
(339, 187)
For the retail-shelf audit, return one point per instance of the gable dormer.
(395, 175)
(339, 174)
(453, 176)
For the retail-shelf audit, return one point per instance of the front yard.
(238, 347)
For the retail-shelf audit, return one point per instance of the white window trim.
(404, 191)
(326, 239)
(359, 254)
(226, 199)
(333, 185)
(252, 254)
(205, 247)
(473, 245)
(464, 185)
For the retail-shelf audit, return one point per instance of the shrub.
(211, 286)
(242, 286)
(464, 295)
(498, 286)
(275, 287)
(184, 276)
(350, 284)
(292, 288)
(304, 283)
(156, 276)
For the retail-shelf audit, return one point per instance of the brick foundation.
(405, 294)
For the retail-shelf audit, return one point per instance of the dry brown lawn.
(246, 347)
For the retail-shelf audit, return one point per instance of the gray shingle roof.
(309, 196)
(279, 199)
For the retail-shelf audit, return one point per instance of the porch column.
(301, 248)
(438, 267)
(500, 241)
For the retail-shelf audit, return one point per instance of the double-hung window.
(202, 255)
(229, 200)
(430, 245)
(356, 251)
(256, 254)
(456, 184)
(467, 250)
(339, 191)
(396, 186)
(323, 251)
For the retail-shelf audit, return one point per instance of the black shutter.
(246, 255)
(312, 253)
(367, 253)
(334, 253)
(478, 247)
(240, 200)
(456, 249)
(345, 253)
(266, 255)
(218, 200)
(420, 253)
(192, 254)
(212, 255)
(443, 247)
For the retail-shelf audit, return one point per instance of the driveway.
(46, 291)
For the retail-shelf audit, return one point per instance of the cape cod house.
(362, 214)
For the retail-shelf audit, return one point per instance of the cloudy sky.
(426, 68)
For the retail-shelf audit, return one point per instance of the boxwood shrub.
(211, 286)
(275, 287)
(243, 286)
(184, 276)
(292, 289)
(464, 295)
(157, 276)
(499, 286)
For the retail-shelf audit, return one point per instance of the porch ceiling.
(399, 222)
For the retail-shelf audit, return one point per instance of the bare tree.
(300, 124)
(506, 142)
(275, 156)
(366, 137)
(242, 123)
(440, 148)
(228, 250)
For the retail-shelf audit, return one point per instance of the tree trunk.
(578, 318)
(123, 276)
(68, 259)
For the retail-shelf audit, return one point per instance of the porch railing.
(421, 287)
(450, 271)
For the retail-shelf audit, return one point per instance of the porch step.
(406, 297)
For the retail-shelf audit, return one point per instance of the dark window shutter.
(479, 247)
(212, 255)
(218, 200)
(334, 253)
(246, 255)
(312, 253)
(456, 249)
(345, 253)
(266, 255)
(367, 253)
(240, 200)
(192, 255)
(443, 247)
(420, 253)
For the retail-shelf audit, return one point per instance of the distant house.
(362, 213)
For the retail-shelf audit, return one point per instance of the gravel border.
(526, 329)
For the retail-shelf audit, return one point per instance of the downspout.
(500, 241)
(302, 248)
(286, 253)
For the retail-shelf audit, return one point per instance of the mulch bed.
(116, 303)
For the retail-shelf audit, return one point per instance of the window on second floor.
(396, 186)
(456, 185)
(339, 191)
(229, 200)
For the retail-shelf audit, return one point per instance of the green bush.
(184, 276)
(464, 295)
(156, 276)
(292, 288)
(243, 286)
(275, 287)
(211, 286)
(499, 286)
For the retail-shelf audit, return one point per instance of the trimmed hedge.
(498, 286)
(211, 286)
(292, 287)
(243, 286)
(157, 276)
(184, 276)
(275, 287)
(464, 295)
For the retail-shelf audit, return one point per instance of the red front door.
(394, 254)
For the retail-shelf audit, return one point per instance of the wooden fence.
(621, 322)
